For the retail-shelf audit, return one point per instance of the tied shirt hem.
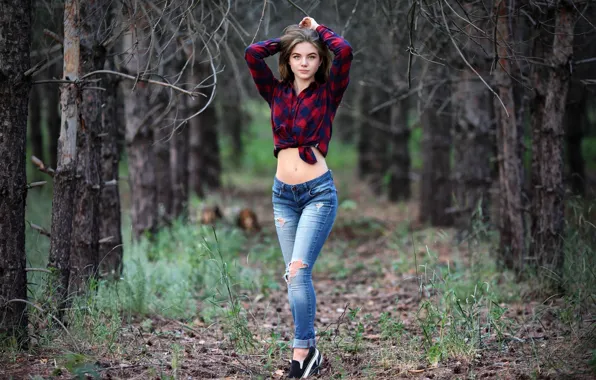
(305, 152)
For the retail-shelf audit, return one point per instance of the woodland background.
(136, 232)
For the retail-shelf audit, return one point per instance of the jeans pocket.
(322, 188)
(276, 191)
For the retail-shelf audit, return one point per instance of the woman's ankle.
(300, 354)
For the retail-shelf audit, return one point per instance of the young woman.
(303, 104)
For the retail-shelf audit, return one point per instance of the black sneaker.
(310, 366)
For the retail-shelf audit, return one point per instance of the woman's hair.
(292, 36)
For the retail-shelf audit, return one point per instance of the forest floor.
(395, 300)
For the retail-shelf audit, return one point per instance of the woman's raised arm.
(255, 56)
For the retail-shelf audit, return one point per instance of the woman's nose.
(303, 62)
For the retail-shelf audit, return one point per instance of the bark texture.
(399, 163)
(575, 124)
(210, 164)
(548, 206)
(234, 119)
(35, 135)
(194, 153)
(179, 155)
(473, 131)
(473, 144)
(364, 143)
(110, 233)
(51, 95)
(139, 140)
(399, 160)
(64, 178)
(161, 150)
(204, 155)
(85, 240)
(15, 39)
(578, 99)
(373, 140)
(511, 225)
(435, 184)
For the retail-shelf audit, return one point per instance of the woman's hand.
(308, 23)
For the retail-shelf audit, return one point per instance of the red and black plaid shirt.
(302, 121)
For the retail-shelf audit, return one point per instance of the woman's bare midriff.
(292, 170)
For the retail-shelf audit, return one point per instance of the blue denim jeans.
(304, 215)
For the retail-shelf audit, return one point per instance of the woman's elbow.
(346, 51)
(248, 50)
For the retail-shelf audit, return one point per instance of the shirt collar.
(311, 87)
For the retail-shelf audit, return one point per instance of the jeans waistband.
(305, 186)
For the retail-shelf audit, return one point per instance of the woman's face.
(305, 61)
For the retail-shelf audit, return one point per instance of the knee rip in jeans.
(281, 222)
(292, 270)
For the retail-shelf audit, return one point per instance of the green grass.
(189, 271)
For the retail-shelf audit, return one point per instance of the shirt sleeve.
(339, 76)
(255, 56)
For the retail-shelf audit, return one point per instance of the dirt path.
(377, 291)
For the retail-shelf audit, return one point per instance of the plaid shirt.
(302, 121)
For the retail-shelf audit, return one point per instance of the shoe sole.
(313, 361)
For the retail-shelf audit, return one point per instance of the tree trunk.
(139, 141)
(473, 144)
(85, 239)
(234, 120)
(575, 123)
(35, 135)
(378, 132)
(547, 168)
(399, 163)
(435, 184)
(364, 141)
(161, 150)
(15, 29)
(52, 99)
(110, 219)
(511, 226)
(179, 158)
(64, 177)
(398, 188)
(204, 159)
(210, 168)
(194, 153)
(473, 130)
(576, 112)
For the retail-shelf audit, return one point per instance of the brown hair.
(292, 36)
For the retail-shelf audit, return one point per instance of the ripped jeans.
(304, 215)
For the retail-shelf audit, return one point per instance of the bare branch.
(411, 13)
(467, 21)
(106, 240)
(42, 168)
(40, 229)
(346, 27)
(54, 36)
(297, 7)
(36, 184)
(214, 85)
(138, 78)
(468, 64)
(260, 21)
